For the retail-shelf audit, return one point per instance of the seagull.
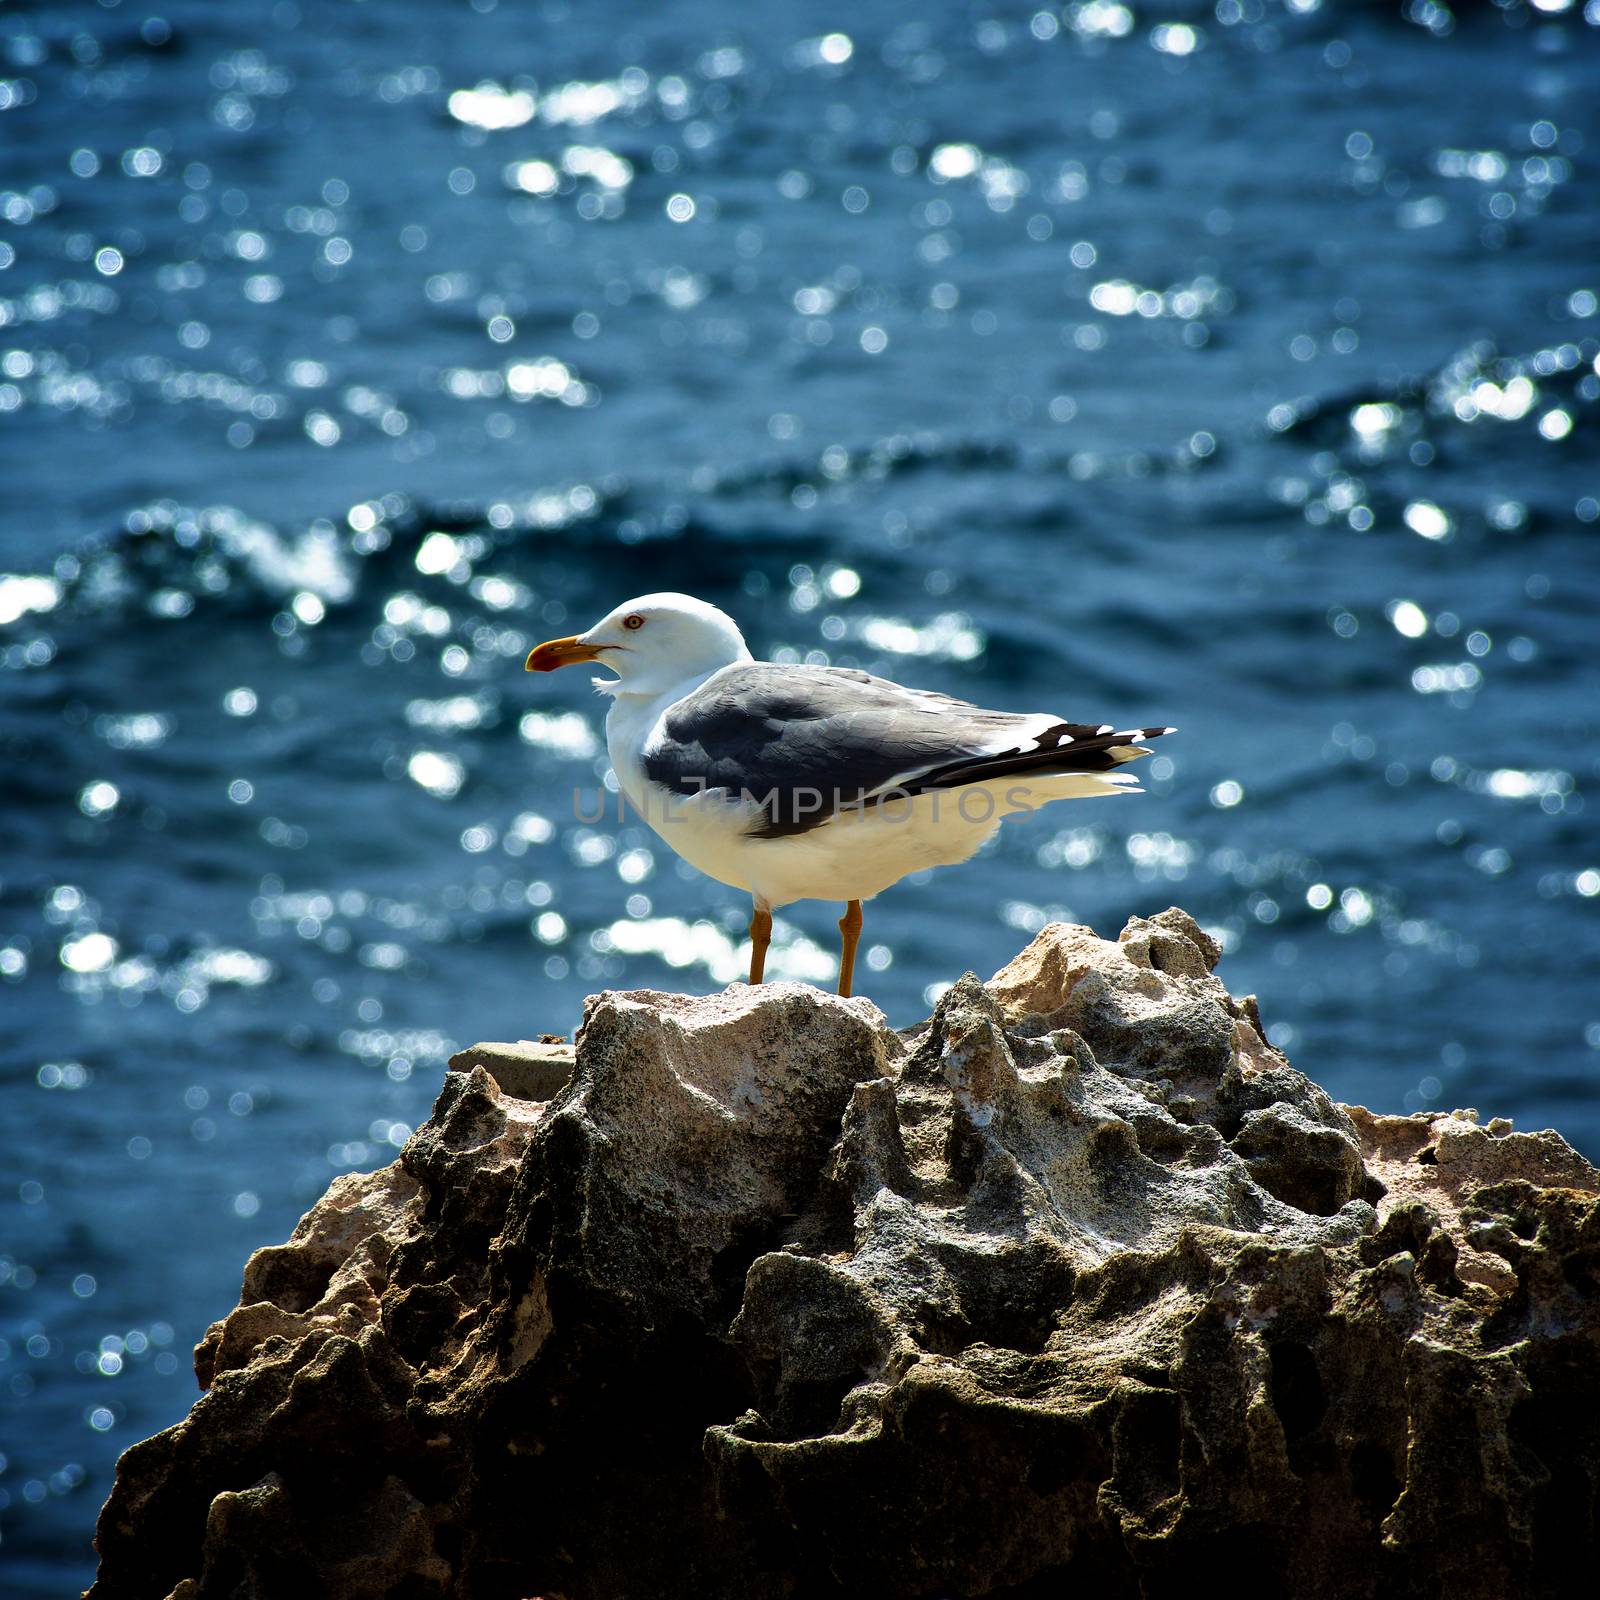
(816, 783)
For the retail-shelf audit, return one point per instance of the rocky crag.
(1079, 1283)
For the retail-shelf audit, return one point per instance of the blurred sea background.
(1232, 366)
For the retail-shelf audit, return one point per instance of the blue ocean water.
(1231, 366)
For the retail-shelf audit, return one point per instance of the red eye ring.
(633, 621)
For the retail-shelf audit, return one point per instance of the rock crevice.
(1080, 1281)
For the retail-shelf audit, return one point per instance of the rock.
(529, 1069)
(1441, 1162)
(1078, 1283)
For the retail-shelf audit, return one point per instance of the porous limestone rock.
(1078, 1283)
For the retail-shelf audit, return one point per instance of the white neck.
(668, 678)
(633, 717)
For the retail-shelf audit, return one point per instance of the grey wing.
(800, 744)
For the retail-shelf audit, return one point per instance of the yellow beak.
(555, 653)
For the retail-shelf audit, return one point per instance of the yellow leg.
(850, 932)
(760, 938)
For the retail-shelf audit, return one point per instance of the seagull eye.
(633, 622)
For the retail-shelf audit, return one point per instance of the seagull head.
(653, 643)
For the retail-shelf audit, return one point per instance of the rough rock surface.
(1078, 1283)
